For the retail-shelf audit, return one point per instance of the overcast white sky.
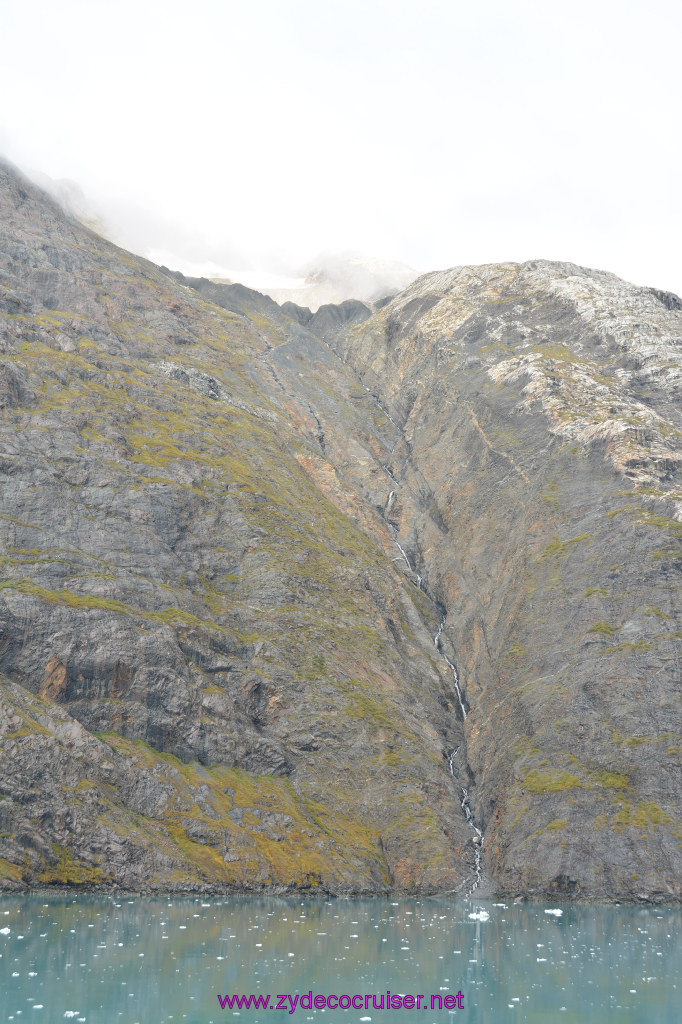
(434, 132)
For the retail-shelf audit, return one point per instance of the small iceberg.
(479, 915)
(4, 931)
(555, 913)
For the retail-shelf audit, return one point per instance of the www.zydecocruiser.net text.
(385, 1001)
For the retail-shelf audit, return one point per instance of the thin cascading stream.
(464, 802)
(466, 809)
(478, 837)
(455, 674)
(403, 555)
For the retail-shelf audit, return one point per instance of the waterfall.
(478, 837)
(454, 671)
(408, 563)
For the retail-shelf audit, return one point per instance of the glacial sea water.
(151, 961)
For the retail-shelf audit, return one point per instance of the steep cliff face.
(231, 533)
(538, 473)
(216, 675)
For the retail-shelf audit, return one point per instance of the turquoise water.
(102, 960)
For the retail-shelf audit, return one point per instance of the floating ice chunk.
(479, 915)
(4, 931)
(556, 913)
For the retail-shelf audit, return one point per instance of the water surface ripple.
(148, 961)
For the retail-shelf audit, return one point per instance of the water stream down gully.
(477, 837)
(471, 821)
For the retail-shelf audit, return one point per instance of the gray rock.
(230, 536)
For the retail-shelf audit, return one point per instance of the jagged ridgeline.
(379, 599)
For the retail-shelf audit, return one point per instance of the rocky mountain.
(329, 278)
(379, 599)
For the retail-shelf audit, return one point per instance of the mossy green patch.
(18, 734)
(655, 611)
(552, 781)
(556, 548)
(85, 786)
(10, 870)
(314, 837)
(179, 617)
(69, 871)
(365, 708)
(516, 650)
(172, 616)
(642, 815)
(628, 645)
(66, 597)
(550, 495)
(603, 629)
(609, 780)
(646, 517)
